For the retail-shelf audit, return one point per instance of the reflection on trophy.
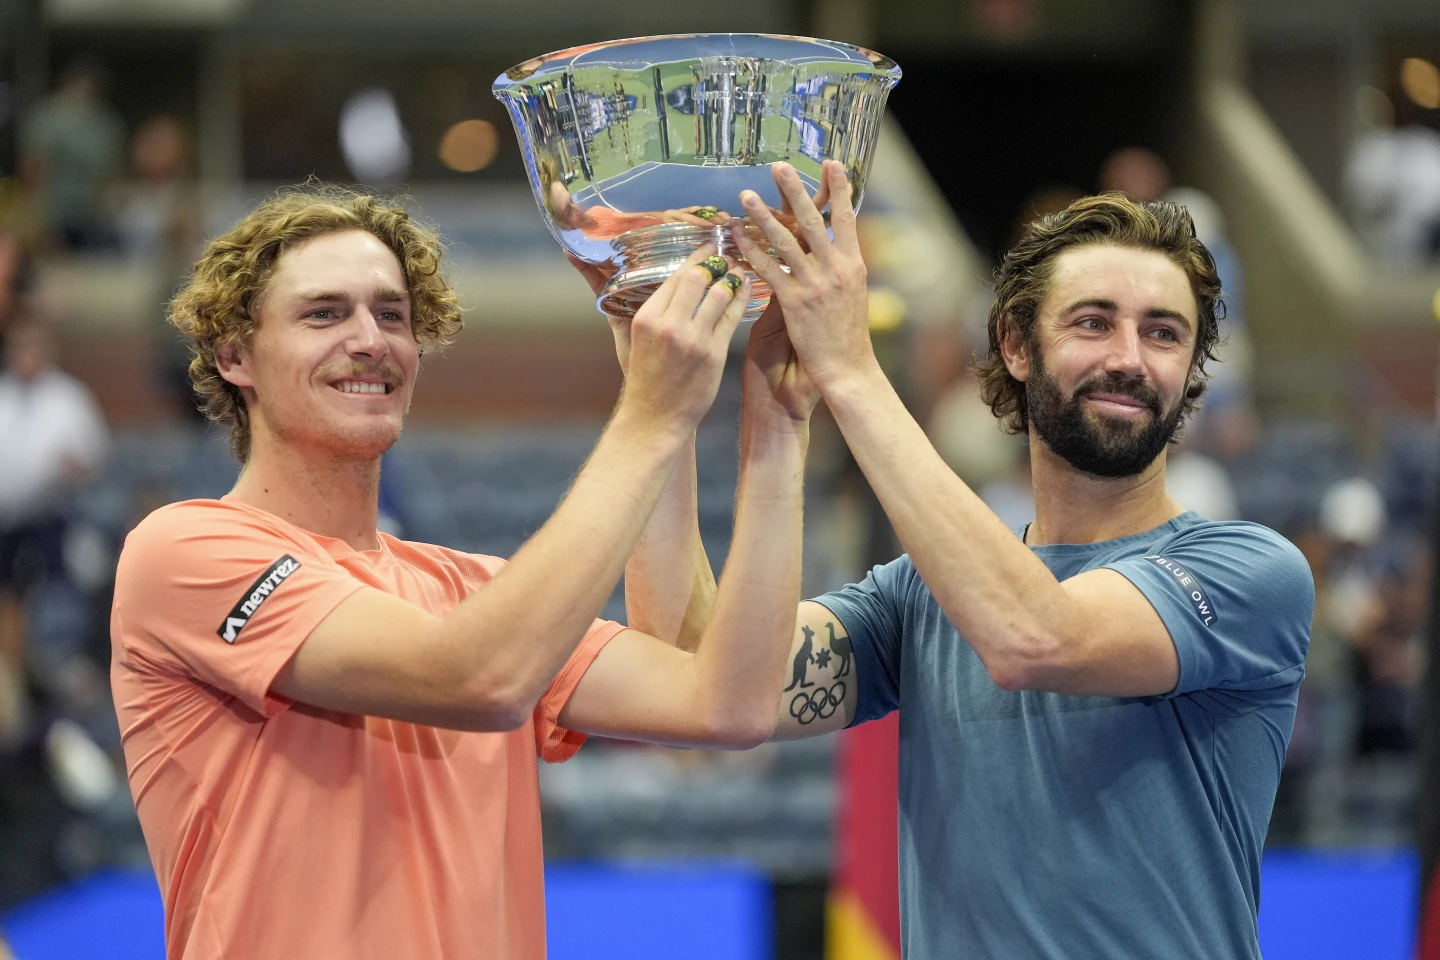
(637, 150)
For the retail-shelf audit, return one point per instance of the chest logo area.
(258, 593)
(1204, 609)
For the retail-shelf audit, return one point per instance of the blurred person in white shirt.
(51, 432)
(52, 439)
(1392, 181)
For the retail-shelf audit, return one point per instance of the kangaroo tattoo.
(803, 658)
(841, 646)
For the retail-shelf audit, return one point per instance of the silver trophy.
(637, 150)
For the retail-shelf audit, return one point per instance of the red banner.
(863, 914)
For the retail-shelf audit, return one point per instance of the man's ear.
(1193, 385)
(233, 364)
(1014, 350)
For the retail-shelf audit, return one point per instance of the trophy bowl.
(637, 150)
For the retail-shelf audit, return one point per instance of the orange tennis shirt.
(280, 830)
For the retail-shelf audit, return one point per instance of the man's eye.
(324, 313)
(1164, 333)
(1092, 323)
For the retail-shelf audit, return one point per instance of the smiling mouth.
(360, 386)
(1119, 400)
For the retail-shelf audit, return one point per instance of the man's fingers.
(764, 265)
(620, 330)
(697, 216)
(716, 266)
(687, 273)
(807, 214)
(734, 310)
(696, 282)
(842, 207)
(822, 196)
(719, 297)
(781, 239)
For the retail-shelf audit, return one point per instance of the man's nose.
(1124, 356)
(366, 338)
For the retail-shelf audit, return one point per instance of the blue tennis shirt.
(1057, 827)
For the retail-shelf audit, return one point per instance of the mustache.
(386, 368)
(1124, 386)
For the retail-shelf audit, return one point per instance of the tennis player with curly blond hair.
(331, 733)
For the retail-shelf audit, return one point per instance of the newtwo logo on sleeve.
(258, 593)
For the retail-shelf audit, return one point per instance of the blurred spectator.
(70, 154)
(160, 222)
(1352, 519)
(19, 217)
(1209, 222)
(1392, 179)
(1353, 512)
(1319, 801)
(1310, 805)
(994, 464)
(52, 439)
(1041, 203)
(14, 280)
(1390, 652)
(1226, 425)
(1137, 172)
(159, 217)
(1200, 483)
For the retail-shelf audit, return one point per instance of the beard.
(1097, 444)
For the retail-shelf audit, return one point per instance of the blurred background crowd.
(1303, 135)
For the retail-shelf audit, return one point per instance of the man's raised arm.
(669, 584)
(1095, 633)
(724, 693)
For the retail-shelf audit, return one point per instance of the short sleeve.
(213, 592)
(870, 613)
(554, 743)
(1237, 599)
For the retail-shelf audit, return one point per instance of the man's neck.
(319, 493)
(1076, 507)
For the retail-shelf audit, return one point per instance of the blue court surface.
(1314, 906)
(656, 912)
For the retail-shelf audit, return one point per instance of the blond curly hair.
(216, 309)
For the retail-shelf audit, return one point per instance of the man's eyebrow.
(1094, 303)
(1162, 313)
(381, 295)
(1154, 313)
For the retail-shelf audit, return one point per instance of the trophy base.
(649, 255)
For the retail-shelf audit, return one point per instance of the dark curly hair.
(216, 307)
(1023, 280)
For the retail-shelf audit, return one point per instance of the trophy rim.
(525, 69)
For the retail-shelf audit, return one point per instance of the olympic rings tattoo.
(819, 704)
